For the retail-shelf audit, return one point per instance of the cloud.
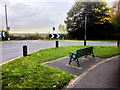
(37, 14)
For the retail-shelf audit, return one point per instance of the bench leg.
(85, 56)
(70, 61)
(78, 63)
(93, 56)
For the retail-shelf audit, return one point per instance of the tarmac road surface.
(103, 76)
(13, 49)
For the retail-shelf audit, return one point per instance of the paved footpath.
(103, 75)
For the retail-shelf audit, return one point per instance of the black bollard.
(24, 50)
(57, 44)
(84, 42)
(118, 43)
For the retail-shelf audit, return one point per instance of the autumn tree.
(98, 20)
(115, 12)
(62, 29)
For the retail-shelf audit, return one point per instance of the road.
(103, 76)
(11, 50)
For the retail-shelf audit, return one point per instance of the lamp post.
(85, 30)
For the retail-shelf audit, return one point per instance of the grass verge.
(27, 72)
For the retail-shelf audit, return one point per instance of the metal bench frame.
(81, 52)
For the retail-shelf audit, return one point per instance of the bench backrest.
(84, 51)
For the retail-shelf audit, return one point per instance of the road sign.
(53, 28)
(54, 35)
(8, 28)
(58, 35)
(51, 35)
(4, 34)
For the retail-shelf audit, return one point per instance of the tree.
(62, 29)
(98, 20)
(115, 17)
(115, 14)
(37, 36)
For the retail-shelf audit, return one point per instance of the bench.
(81, 52)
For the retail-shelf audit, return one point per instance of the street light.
(85, 29)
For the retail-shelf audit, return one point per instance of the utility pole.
(6, 17)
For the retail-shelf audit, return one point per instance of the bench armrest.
(73, 55)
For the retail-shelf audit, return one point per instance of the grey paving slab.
(85, 64)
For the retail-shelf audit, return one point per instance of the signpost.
(52, 36)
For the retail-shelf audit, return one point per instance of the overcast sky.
(31, 16)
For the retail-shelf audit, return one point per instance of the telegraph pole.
(6, 16)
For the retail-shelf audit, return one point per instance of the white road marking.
(9, 48)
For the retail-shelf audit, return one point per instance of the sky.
(31, 16)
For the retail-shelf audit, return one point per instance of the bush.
(12, 37)
(66, 36)
(46, 36)
(36, 36)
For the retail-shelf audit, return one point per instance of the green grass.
(27, 72)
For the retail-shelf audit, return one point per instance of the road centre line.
(9, 48)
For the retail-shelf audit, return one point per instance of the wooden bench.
(81, 52)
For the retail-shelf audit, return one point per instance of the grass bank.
(27, 72)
